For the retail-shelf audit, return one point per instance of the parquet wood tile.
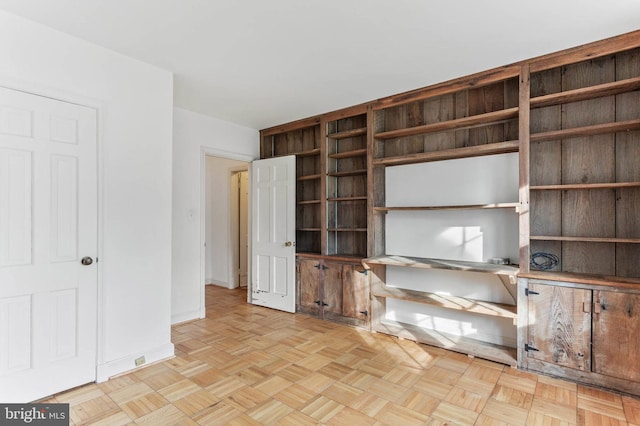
(342, 393)
(631, 409)
(196, 402)
(142, 406)
(466, 399)
(549, 408)
(322, 408)
(295, 396)
(419, 402)
(248, 365)
(394, 414)
(455, 414)
(350, 417)
(179, 390)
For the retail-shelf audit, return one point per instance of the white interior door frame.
(204, 153)
(99, 107)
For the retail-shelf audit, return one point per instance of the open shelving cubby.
(584, 179)
(346, 177)
(454, 124)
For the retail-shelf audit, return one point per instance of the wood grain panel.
(437, 110)
(558, 327)
(355, 292)
(588, 213)
(588, 258)
(616, 334)
(482, 100)
(308, 285)
(332, 287)
(394, 119)
(546, 157)
(546, 208)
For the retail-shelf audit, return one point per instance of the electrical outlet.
(140, 361)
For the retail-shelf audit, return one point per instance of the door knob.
(86, 261)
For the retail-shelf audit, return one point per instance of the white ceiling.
(260, 63)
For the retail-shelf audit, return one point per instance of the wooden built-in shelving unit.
(573, 117)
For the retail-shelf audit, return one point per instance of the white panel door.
(273, 234)
(48, 224)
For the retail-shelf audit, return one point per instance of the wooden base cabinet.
(333, 290)
(582, 332)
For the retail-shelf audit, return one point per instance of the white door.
(48, 223)
(273, 190)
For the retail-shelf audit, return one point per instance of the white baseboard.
(128, 363)
(187, 316)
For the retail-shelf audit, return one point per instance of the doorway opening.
(225, 221)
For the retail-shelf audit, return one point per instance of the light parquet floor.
(247, 365)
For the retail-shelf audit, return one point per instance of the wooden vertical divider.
(523, 130)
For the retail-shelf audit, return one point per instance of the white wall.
(193, 135)
(218, 254)
(135, 127)
(469, 235)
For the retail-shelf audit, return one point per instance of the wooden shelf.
(486, 119)
(448, 302)
(454, 265)
(307, 153)
(305, 202)
(340, 199)
(348, 133)
(309, 177)
(598, 129)
(334, 257)
(585, 186)
(449, 154)
(349, 154)
(348, 173)
(590, 279)
(592, 92)
(458, 207)
(347, 229)
(308, 229)
(465, 345)
(585, 239)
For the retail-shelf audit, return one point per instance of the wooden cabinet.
(559, 326)
(331, 211)
(582, 332)
(333, 290)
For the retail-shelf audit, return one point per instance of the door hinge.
(320, 303)
(528, 292)
(530, 348)
(365, 313)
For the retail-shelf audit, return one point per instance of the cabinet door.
(559, 326)
(616, 334)
(332, 287)
(355, 292)
(308, 286)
